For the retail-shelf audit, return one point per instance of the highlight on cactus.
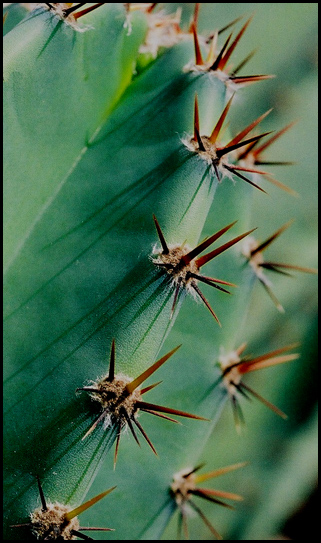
(121, 400)
(180, 262)
(234, 366)
(58, 521)
(252, 250)
(184, 489)
(158, 116)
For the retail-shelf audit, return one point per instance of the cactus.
(123, 180)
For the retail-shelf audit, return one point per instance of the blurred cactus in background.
(149, 155)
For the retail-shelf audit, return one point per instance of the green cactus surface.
(150, 229)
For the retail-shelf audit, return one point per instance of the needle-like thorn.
(111, 375)
(161, 237)
(42, 496)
